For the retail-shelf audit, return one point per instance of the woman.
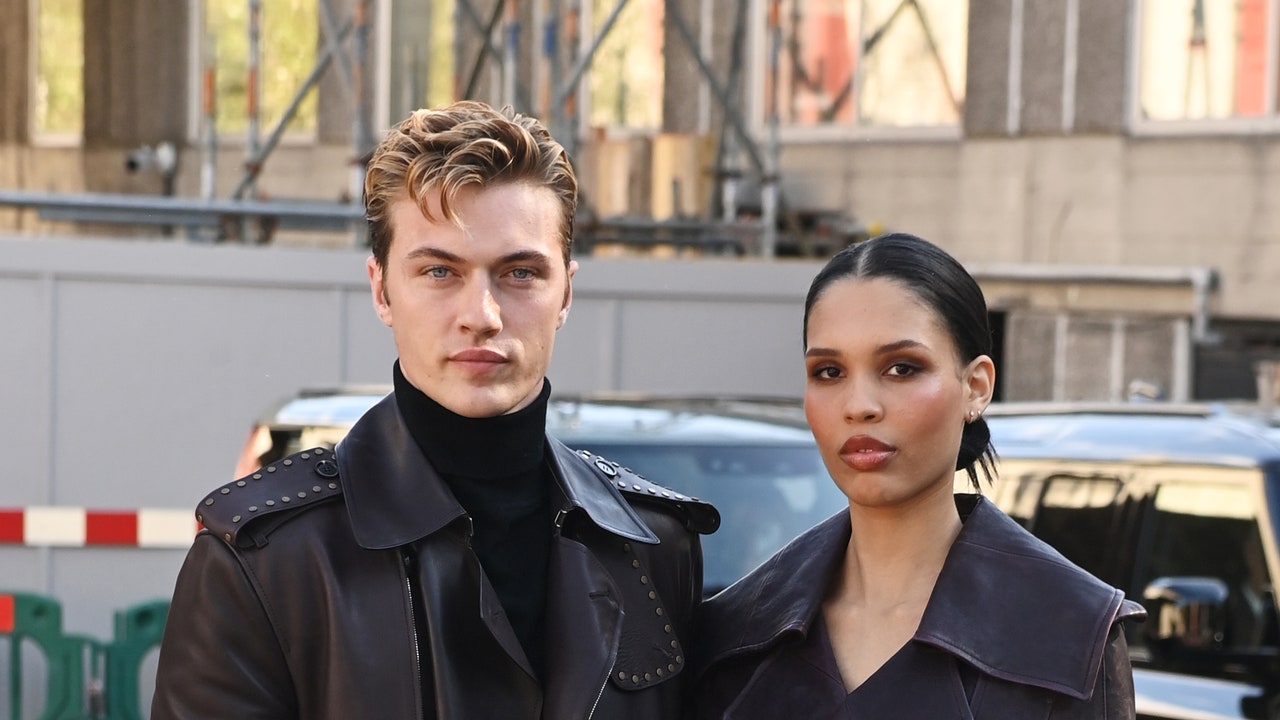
(917, 602)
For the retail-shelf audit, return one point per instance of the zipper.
(599, 695)
(409, 569)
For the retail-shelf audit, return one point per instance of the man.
(448, 559)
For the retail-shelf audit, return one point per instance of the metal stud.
(257, 476)
(647, 676)
(666, 494)
(225, 491)
(637, 487)
(287, 462)
(635, 679)
(318, 451)
(199, 517)
(606, 468)
(666, 628)
(270, 503)
(674, 645)
(653, 491)
(660, 672)
(644, 579)
(208, 501)
(622, 676)
(635, 563)
(285, 498)
(316, 489)
(240, 483)
(622, 484)
(626, 547)
(305, 456)
(658, 611)
(235, 518)
(333, 486)
(671, 667)
(253, 508)
(227, 536)
(653, 595)
(271, 468)
(679, 660)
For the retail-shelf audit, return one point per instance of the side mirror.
(1186, 613)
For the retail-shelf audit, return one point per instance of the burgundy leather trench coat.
(344, 587)
(1012, 631)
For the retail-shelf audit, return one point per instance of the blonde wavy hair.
(464, 145)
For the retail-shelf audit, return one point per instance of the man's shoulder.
(650, 500)
(243, 512)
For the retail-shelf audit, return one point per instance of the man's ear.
(378, 287)
(568, 294)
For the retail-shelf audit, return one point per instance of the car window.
(766, 495)
(1211, 530)
(1077, 515)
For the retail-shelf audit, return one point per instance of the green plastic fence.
(86, 679)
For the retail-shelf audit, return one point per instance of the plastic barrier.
(87, 679)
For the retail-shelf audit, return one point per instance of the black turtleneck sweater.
(495, 468)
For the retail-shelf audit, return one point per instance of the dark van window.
(1077, 516)
(1211, 530)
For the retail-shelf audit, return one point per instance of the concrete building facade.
(1117, 249)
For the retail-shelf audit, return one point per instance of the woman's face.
(886, 393)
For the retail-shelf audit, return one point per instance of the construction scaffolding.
(494, 30)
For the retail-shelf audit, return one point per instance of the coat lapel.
(584, 623)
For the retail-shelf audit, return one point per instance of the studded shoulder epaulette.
(699, 515)
(298, 481)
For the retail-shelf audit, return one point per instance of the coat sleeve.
(220, 656)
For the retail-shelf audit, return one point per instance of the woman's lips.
(865, 453)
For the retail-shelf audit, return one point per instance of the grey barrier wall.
(130, 371)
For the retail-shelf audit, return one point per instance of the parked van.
(1180, 507)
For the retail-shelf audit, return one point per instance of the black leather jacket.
(1011, 630)
(344, 587)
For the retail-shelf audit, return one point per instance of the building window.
(58, 105)
(1207, 59)
(894, 63)
(288, 41)
(626, 73)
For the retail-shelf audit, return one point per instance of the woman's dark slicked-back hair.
(943, 285)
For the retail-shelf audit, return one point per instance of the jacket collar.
(1005, 602)
(394, 496)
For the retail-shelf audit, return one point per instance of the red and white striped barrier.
(78, 527)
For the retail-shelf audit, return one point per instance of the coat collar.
(394, 496)
(1004, 602)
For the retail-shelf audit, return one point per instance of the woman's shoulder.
(779, 597)
(1004, 597)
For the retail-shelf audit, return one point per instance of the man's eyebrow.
(435, 253)
(427, 251)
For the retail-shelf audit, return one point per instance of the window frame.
(756, 105)
(1234, 126)
(239, 139)
(37, 136)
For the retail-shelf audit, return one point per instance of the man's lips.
(865, 453)
(478, 355)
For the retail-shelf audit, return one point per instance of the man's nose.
(481, 313)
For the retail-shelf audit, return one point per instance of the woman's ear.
(980, 376)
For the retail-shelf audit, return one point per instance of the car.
(753, 458)
(1177, 505)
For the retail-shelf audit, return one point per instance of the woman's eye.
(902, 370)
(826, 372)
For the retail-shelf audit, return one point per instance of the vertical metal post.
(510, 55)
(209, 134)
(359, 126)
(769, 180)
(253, 96)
